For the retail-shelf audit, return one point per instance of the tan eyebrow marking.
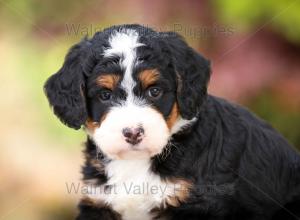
(148, 77)
(109, 80)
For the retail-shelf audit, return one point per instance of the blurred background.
(254, 47)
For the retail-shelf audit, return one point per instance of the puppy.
(158, 146)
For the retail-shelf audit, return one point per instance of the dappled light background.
(254, 47)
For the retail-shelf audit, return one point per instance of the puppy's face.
(131, 84)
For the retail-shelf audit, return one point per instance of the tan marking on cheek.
(148, 77)
(181, 192)
(92, 125)
(173, 116)
(108, 81)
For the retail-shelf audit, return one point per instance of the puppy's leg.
(90, 211)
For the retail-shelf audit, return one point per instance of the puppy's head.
(131, 88)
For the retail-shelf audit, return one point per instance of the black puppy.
(158, 146)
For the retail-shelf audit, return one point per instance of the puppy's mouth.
(141, 150)
(136, 148)
(134, 152)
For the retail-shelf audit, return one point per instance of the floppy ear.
(65, 89)
(192, 72)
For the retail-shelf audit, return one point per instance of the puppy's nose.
(133, 135)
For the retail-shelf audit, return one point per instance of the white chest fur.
(133, 190)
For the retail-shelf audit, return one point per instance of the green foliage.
(37, 12)
(282, 16)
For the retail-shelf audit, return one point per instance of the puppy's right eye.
(154, 92)
(105, 95)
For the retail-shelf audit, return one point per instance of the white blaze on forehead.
(123, 44)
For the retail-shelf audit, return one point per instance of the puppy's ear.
(65, 89)
(192, 72)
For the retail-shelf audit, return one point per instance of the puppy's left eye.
(105, 95)
(154, 92)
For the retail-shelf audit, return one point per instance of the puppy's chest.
(134, 191)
